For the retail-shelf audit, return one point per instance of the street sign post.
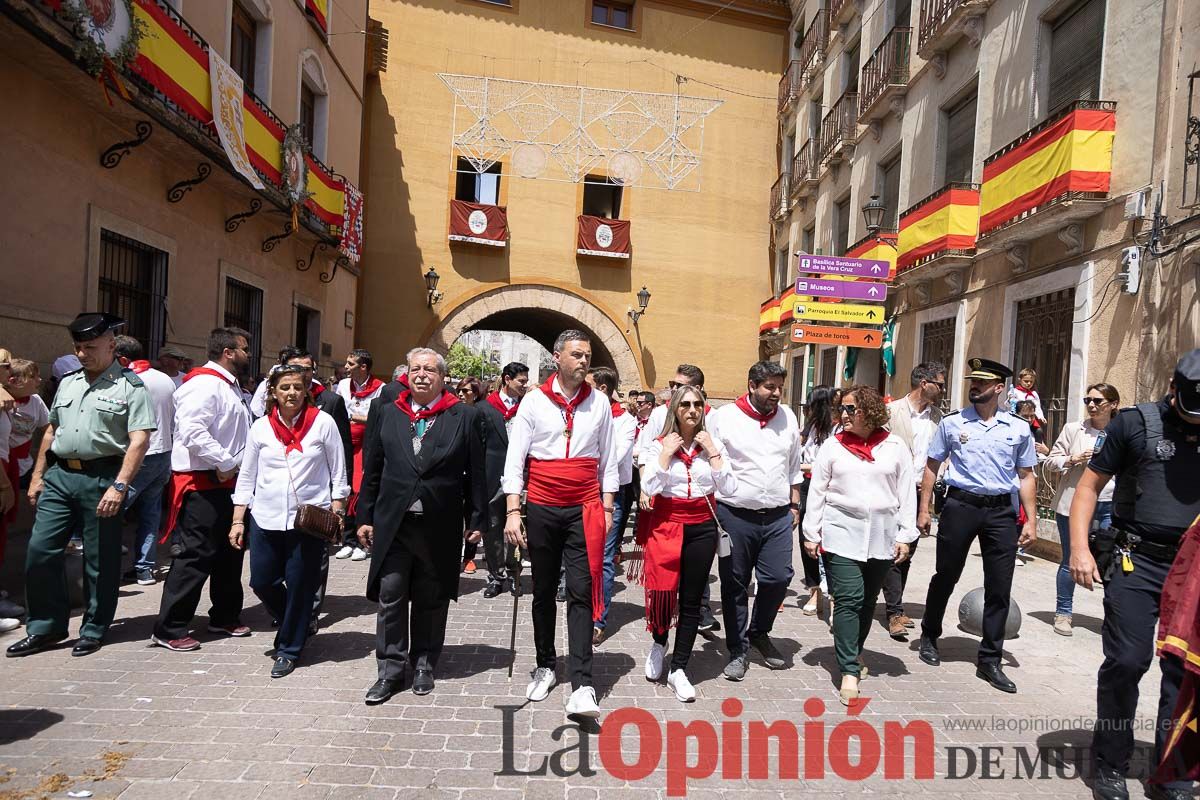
(858, 267)
(840, 312)
(826, 334)
(845, 290)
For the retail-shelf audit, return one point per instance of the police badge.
(1165, 450)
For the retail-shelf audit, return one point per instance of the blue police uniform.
(984, 456)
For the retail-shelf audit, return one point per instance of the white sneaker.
(679, 683)
(359, 554)
(654, 662)
(543, 681)
(583, 703)
(10, 609)
(9, 624)
(344, 552)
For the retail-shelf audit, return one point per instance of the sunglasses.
(691, 404)
(1099, 401)
(939, 384)
(466, 391)
(849, 409)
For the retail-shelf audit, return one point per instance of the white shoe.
(679, 683)
(654, 662)
(543, 681)
(344, 552)
(583, 703)
(10, 609)
(359, 554)
(9, 624)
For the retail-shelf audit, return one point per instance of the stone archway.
(542, 312)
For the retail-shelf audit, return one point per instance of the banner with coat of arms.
(227, 92)
(600, 236)
(352, 224)
(478, 223)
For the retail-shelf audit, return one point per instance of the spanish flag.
(787, 306)
(946, 220)
(880, 248)
(768, 316)
(1070, 154)
(319, 11)
(1179, 637)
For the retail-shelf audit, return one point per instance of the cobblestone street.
(140, 722)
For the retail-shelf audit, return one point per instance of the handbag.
(313, 520)
(724, 543)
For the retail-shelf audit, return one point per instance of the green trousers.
(68, 504)
(855, 587)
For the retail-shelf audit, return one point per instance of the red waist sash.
(358, 432)
(661, 539)
(180, 486)
(566, 482)
(12, 468)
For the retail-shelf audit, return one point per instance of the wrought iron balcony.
(944, 22)
(839, 128)
(805, 175)
(780, 201)
(885, 76)
(812, 48)
(789, 87)
(841, 11)
(1191, 147)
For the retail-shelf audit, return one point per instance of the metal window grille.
(243, 309)
(133, 285)
(937, 344)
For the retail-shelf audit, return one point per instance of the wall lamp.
(873, 213)
(431, 282)
(643, 300)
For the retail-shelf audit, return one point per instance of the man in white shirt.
(914, 418)
(357, 389)
(146, 488)
(170, 363)
(212, 424)
(763, 442)
(563, 433)
(496, 414)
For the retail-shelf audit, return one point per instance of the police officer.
(991, 461)
(100, 424)
(1153, 450)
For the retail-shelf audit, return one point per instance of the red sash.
(180, 486)
(139, 366)
(290, 437)
(1179, 637)
(369, 388)
(12, 468)
(745, 405)
(358, 431)
(495, 401)
(565, 482)
(198, 371)
(662, 547)
(863, 448)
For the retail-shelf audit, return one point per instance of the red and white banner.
(478, 223)
(599, 236)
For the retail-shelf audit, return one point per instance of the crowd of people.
(417, 473)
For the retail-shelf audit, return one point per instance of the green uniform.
(92, 423)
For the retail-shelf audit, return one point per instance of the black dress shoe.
(85, 646)
(1109, 784)
(1156, 792)
(283, 667)
(493, 589)
(423, 682)
(996, 677)
(382, 690)
(927, 651)
(34, 643)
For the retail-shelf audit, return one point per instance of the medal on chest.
(1165, 450)
(964, 437)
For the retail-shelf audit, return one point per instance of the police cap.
(1187, 383)
(984, 369)
(92, 325)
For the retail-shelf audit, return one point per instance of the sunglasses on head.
(850, 409)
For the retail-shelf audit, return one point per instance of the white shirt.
(317, 473)
(923, 429)
(176, 379)
(766, 460)
(859, 509)
(356, 406)
(538, 429)
(673, 481)
(624, 434)
(162, 400)
(211, 423)
(27, 418)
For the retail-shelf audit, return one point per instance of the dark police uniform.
(981, 502)
(1155, 456)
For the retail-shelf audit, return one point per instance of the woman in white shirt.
(862, 513)
(1069, 456)
(682, 469)
(293, 457)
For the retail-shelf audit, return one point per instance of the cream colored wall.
(700, 254)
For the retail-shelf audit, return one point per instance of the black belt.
(91, 466)
(980, 500)
(759, 511)
(1159, 551)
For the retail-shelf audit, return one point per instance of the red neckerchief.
(641, 423)
(568, 406)
(206, 371)
(290, 437)
(1027, 392)
(863, 448)
(617, 409)
(744, 404)
(688, 459)
(139, 366)
(403, 402)
(369, 388)
(317, 387)
(497, 402)
(24, 401)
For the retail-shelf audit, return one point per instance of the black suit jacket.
(495, 444)
(332, 404)
(390, 391)
(447, 477)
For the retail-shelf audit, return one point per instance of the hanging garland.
(108, 35)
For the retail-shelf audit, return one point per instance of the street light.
(873, 213)
(643, 300)
(431, 282)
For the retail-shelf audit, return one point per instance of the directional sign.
(847, 290)
(840, 312)
(859, 267)
(825, 334)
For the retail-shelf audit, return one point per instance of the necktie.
(422, 424)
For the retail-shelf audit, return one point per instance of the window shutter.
(891, 194)
(960, 141)
(1076, 46)
(842, 233)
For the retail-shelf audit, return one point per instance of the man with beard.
(212, 423)
(991, 468)
(496, 414)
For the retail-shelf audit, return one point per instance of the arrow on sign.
(875, 270)
(868, 338)
(873, 291)
(838, 312)
(871, 315)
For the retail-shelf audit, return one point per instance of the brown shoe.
(896, 627)
(597, 636)
(908, 623)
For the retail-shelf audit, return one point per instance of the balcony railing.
(940, 17)
(789, 86)
(839, 126)
(839, 9)
(804, 169)
(812, 47)
(887, 68)
(780, 201)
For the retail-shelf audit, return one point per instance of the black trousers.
(812, 570)
(897, 576)
(556, 541)
(762, 547)
(695, 562)
(202, 551)
(1131, 604)
(496, 551)
(318, 599)
(413, 606)
(996, 529)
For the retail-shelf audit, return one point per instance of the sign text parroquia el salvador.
(840, 312)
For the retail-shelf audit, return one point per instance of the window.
(788, 149)
(797, 372)
(308, 328)
(781, 271)
(960, 141)
(901, 13)
(601, 198)
(841, 227)
(243, 309)
(937, 344)
(850, 67)
(1076, 45)
(889, 178)
(313, 103)
(477, 187)
(613, 14)
(308, 112)
(829, 367)
(808, 240)
(133, 285)
(242, 42)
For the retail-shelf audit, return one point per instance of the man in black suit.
(423, 473)
(495, 417)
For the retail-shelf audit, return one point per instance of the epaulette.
(132, 377)
(951, 413)
(72, 372)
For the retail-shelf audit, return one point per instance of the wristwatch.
(794, 506)
(120, 487)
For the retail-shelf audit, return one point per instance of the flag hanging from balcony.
(478, 223)
(947, 220)
(1072, 154)
(319, 11)
(227, 93)
(768, 316)
(881, 248)
(326, 193)
(600, 236)
(787, 307)
(352, 224)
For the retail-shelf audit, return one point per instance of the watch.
(120, 487)
(794, 506)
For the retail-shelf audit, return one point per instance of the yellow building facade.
(699, 77)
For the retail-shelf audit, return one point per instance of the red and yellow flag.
(319, 9)
(947, 220)
(880, 248)
(787, 306)
(1072, 154)
(768, 316)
